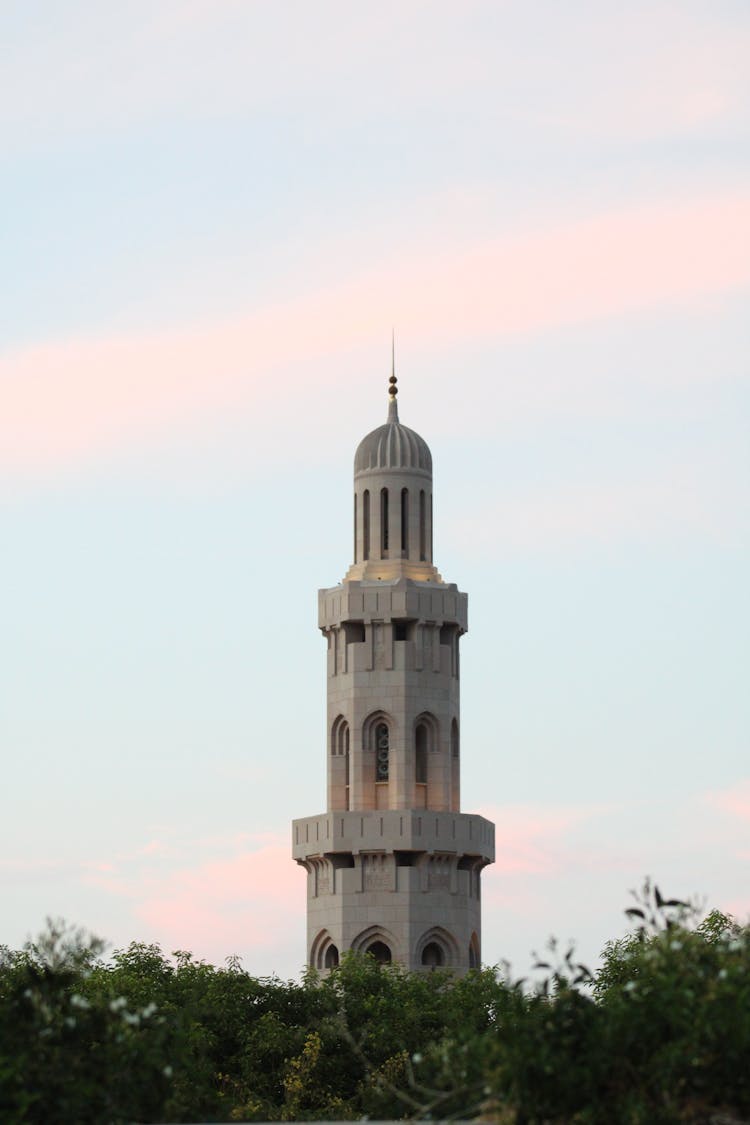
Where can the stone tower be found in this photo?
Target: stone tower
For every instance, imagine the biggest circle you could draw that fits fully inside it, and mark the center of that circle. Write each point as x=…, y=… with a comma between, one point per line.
x=393, y=866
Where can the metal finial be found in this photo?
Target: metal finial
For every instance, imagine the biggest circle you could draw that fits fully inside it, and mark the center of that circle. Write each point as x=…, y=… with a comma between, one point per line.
x=392, y=383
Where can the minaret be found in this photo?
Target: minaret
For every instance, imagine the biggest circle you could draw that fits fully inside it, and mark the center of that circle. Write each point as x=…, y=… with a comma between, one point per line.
x=393, y=866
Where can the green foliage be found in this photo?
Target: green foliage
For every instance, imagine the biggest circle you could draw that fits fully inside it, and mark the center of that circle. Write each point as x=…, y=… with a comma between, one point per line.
x=64, y=1057
x=659, y=1035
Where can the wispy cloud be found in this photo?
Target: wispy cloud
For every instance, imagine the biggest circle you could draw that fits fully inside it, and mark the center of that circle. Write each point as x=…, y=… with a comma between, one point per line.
x=734, y=800
x=77, y=401
x=210, y=59
x=239, y=902
x=229, y=904
x=537, y=839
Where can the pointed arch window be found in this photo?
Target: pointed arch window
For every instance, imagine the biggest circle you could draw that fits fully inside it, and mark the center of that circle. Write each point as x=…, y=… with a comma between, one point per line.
x=381, y=952
x=432, y=955
x=331, y=957
x=382, y=752
x=422, y=526
x=454, y=739
x=375, y=940
x=432, y=549
x=405, y=522
x=366, y=524
x=340, y=736
x=323, y=953
x=376, y=741
x=340, y=769
x=383, y=522
x=437, y=947
x=421, y=742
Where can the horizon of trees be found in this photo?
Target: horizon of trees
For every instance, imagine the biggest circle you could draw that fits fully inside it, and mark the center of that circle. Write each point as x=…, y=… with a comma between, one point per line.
x=659, y=1033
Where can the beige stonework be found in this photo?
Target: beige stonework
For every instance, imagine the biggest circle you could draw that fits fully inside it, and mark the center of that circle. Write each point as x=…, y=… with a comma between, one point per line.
x=393, y=866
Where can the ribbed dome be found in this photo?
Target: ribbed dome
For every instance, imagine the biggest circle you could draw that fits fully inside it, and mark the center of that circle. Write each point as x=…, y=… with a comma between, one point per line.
x=393, y=446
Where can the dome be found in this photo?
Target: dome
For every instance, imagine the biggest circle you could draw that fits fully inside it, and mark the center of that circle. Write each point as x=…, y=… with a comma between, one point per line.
x=393, y=446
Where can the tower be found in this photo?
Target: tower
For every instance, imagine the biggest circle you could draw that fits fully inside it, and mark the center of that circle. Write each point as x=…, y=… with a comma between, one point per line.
x=393, y=865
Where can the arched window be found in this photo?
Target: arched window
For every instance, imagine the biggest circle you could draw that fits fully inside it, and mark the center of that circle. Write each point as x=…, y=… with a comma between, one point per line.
x=338, y=774
x=383, y=522
x=340, y=736
x=421, y=738
x=454, y=739
x=323, y=953
x=355, y=526
x=405, y=522
x=422, y=527
x=474, y=962
x=347, y=760
x=375, y=764
x=437, y=947
x=366, y=524
x=382, y=752
x=432, y=550
x=380, y=951
x=331, y=957
x=433, y=955
x=376, y=940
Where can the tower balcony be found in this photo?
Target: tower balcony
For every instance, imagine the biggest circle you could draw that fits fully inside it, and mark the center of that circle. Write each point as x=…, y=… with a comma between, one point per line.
x=395, y=598
x=394, y=830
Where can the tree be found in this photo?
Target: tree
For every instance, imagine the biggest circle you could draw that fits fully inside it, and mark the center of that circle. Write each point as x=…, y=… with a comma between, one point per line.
x=659, y=1035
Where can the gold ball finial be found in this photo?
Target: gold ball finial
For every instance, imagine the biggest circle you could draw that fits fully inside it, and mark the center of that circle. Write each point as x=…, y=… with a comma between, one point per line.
x=392, y=388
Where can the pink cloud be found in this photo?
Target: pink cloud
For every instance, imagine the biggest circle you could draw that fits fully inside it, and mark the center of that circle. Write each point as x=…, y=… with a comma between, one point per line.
x=738, y=907
x=734, y=800
x=536, y=839
x=238, y=903
x=78, y=399
x=71, y=402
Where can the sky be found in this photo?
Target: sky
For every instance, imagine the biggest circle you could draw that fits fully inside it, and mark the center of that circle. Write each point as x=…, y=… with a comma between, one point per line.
x=213, y=214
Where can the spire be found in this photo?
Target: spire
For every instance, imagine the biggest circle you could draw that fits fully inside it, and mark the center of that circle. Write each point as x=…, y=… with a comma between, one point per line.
x=392, y=383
